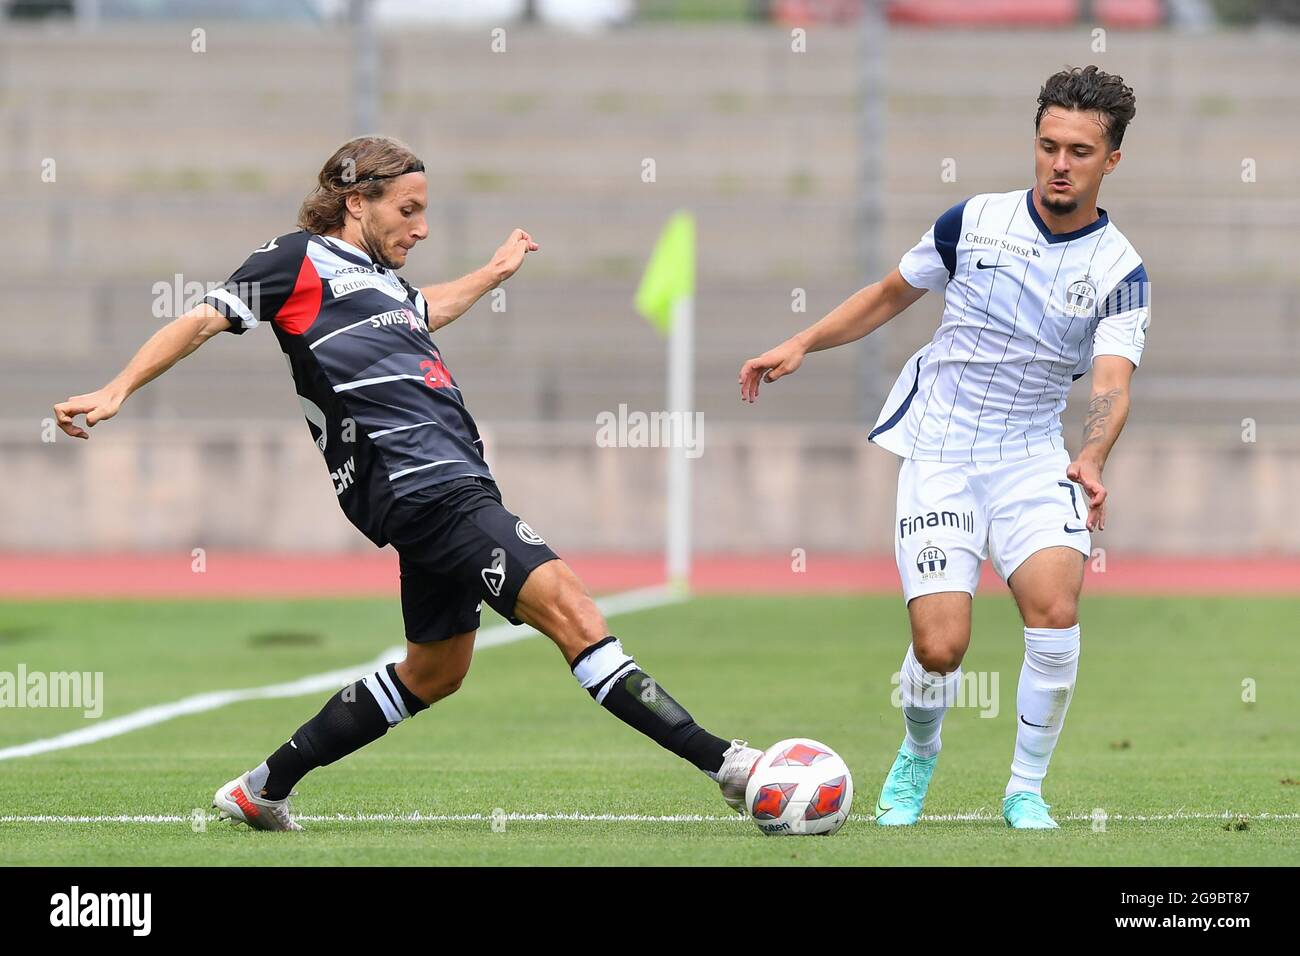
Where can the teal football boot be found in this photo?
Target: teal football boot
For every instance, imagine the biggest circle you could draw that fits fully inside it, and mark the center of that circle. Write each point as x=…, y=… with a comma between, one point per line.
x=903, y=794
x=1026, y=811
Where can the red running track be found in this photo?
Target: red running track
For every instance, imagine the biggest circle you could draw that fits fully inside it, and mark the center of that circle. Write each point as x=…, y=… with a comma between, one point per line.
x=230, y=574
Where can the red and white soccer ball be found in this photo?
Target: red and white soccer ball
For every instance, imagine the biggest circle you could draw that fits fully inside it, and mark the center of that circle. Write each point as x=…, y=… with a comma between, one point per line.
x=799, y=786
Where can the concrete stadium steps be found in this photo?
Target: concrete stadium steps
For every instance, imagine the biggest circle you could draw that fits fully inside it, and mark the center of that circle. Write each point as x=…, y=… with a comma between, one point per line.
x=1244, y=326
x=569, y=352
x=560, y=110
x=701, y=56
x=769, y=154
x=175, y=162
x=805, y=241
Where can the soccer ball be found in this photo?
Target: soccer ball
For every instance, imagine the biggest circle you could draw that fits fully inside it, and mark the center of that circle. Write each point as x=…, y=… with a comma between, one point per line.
x=799, y=786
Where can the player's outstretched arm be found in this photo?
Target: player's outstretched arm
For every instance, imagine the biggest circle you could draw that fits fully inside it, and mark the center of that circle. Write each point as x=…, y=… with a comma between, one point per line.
x=1107, y=412
x=165, y=348
x=858, y=315
x=448, y=301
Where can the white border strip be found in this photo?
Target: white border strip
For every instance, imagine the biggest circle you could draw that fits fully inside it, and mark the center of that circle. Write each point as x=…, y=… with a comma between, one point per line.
x=416, y=816
x=625, y=603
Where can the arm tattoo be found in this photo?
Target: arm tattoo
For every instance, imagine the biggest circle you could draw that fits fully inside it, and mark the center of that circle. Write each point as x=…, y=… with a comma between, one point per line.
x=1099, y=409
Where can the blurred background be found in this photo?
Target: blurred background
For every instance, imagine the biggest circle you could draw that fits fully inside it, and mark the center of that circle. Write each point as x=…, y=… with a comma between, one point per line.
x=150, y=144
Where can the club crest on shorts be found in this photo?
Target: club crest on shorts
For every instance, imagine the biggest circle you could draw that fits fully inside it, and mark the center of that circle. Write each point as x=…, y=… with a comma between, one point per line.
x=931, y=560
x=494, y=578
x=526, y=534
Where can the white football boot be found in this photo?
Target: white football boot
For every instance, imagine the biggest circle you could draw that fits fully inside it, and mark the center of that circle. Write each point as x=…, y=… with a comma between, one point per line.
x=238, y=802
x=737, y=764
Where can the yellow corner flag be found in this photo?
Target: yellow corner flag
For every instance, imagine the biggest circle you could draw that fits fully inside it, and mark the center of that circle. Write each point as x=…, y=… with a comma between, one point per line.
x=670, y=274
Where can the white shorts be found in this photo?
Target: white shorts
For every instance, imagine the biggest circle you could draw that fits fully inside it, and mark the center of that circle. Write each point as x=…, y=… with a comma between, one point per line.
x=953, y=515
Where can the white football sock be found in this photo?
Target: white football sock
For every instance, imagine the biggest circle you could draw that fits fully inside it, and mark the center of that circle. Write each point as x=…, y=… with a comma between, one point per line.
x=1042, y=698
x=925, y=698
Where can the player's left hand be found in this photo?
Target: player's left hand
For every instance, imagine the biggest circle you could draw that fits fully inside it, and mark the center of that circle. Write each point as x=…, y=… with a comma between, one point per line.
x=1086, y=473
x=507, y=260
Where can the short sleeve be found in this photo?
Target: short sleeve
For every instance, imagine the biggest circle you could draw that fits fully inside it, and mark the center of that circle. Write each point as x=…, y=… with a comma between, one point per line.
x=259, y=288
x=1123, y=318
x=932, y=261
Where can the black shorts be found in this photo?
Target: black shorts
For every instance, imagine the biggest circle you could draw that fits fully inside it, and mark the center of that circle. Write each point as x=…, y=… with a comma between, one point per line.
x=459, y=546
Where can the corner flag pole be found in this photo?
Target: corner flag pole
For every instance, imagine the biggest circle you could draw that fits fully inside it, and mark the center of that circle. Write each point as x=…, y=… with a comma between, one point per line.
x=666, y=298
x=681, y=400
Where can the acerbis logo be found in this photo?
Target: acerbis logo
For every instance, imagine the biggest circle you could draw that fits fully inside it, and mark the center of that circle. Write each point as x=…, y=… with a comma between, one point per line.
x=494, y=578
x=526, y=534
x=316, y=419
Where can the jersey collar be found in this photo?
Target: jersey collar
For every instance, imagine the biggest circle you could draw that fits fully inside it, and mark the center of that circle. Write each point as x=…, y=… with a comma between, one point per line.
x=347, y=250
x=1053, y=237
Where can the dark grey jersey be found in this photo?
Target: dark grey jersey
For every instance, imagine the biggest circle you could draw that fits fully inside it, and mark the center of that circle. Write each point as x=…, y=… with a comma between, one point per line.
x=381, y=404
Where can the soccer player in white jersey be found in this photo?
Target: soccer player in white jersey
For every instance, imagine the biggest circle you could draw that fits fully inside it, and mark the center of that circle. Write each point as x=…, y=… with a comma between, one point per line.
x=1039, y=286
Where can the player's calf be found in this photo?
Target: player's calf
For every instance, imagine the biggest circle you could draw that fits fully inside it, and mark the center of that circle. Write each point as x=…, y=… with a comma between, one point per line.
x=357, y=715
x=554, y=601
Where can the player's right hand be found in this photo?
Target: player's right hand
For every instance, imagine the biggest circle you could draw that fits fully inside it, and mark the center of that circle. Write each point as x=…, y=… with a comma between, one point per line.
x=768, y=367
x=96, y=406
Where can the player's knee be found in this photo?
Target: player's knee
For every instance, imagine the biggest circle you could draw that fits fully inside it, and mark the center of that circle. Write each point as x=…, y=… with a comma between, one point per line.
x=435, y=687
x=1058, y=614
x=938, y=657
x=939, y=647
x=432, y=680
x=445, y=686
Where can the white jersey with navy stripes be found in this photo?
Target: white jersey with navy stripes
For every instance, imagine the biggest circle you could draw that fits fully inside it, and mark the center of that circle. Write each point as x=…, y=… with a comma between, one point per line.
x=1025, y=311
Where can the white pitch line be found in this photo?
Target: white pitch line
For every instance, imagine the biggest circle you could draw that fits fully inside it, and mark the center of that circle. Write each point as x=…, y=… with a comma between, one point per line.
x=624, y=603
x=416, y=816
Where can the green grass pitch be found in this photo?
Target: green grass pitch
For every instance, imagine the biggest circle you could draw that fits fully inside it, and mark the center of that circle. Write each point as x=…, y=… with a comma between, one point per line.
x=1157, y=728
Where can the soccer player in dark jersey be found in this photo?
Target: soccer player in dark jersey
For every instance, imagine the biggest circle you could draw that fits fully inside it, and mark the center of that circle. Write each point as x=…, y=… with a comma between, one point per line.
x=407, y=465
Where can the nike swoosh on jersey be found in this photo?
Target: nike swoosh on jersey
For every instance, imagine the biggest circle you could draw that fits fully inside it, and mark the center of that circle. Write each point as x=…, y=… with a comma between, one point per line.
x=981, y=264
x=1069, y=530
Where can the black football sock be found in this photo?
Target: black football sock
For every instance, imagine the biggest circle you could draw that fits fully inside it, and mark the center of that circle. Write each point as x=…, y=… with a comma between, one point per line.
x=634, y=697
x=357, y=715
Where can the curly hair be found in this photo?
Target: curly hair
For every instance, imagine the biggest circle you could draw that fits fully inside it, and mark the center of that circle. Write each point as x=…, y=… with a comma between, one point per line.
x=1088, y=88
x=362, y=165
